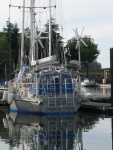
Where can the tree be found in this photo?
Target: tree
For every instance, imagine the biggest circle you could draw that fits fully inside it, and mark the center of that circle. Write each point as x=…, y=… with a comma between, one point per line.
x=57, y=44
x=95, y=65
x=3, y=47
x=88, y=54
x=9, y=47
x=11, y=33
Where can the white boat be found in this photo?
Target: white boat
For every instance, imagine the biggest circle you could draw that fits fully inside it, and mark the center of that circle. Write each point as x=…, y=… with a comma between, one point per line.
x=44, y=87
x=41, y=132
x=89, y=83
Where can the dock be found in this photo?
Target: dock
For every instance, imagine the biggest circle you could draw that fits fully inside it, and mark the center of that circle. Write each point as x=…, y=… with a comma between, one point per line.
x=95, y=106
x=98, y=97
x=98, y=104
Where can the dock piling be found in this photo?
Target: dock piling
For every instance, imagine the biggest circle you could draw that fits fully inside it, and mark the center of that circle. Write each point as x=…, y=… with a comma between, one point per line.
x=111, y=72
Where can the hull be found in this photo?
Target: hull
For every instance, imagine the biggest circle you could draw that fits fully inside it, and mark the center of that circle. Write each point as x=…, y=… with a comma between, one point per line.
x=48, y=106
x=89, y=84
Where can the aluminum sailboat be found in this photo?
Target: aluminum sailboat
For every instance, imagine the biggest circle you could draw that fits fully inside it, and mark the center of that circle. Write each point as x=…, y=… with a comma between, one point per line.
x=45, y=86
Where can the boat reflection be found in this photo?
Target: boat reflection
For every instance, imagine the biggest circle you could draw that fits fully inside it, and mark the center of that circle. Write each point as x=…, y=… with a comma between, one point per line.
x=44, y=132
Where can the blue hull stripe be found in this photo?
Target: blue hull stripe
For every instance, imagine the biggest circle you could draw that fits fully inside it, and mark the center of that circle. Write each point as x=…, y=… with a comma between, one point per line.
x=26, y=112
x=60, y=113
x=44, y=113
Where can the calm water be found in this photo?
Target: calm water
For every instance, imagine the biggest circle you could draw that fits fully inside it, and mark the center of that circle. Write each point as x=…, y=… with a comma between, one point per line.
x=96, y=90
x=84, y=131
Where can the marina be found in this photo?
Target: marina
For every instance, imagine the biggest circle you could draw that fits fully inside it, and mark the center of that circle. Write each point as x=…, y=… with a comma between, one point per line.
x=54, y=94
x=85, y=130
x=43, y=84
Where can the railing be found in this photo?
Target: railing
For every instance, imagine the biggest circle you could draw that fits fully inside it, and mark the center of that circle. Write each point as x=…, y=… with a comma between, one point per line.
x=57, y=94
x=55, y=88
x=64, y=98
x=22, y=88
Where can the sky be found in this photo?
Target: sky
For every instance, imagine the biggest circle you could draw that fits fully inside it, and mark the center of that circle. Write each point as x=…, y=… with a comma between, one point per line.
x=96, y=16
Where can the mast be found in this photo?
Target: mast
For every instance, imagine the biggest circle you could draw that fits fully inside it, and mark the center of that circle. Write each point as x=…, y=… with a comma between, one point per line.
x=22, y=41
x=49, y=28
x=32, y=30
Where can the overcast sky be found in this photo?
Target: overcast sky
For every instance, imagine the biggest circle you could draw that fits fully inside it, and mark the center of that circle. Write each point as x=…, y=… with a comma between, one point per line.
x=96, y=16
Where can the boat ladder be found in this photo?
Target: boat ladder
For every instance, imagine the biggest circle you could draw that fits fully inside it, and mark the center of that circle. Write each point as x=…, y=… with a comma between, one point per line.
x=54, y=102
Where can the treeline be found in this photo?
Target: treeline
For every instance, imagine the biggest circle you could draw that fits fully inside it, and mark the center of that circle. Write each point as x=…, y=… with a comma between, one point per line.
x=10, y=47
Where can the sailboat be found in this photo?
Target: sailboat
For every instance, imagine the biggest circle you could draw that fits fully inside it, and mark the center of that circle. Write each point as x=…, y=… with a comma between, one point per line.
x=45, y=86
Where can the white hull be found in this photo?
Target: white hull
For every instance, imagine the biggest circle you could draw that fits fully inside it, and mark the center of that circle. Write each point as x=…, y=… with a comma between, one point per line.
x=49, y=105
x=89, y=84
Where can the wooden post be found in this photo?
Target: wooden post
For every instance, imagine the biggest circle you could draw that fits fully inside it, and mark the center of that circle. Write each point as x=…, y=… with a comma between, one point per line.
x=112, y=131
x=111, y=72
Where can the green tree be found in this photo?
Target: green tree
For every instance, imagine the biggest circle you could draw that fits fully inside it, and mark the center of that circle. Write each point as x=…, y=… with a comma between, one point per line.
x=4, y=56
x=95, y=65
x=88, y=54
x=3, y=47
x=11, y=33
x=57, y=44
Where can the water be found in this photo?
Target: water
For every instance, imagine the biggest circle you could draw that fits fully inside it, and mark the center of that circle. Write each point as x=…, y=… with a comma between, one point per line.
x=97, y=133
x=83, y=131
x=96, y=90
